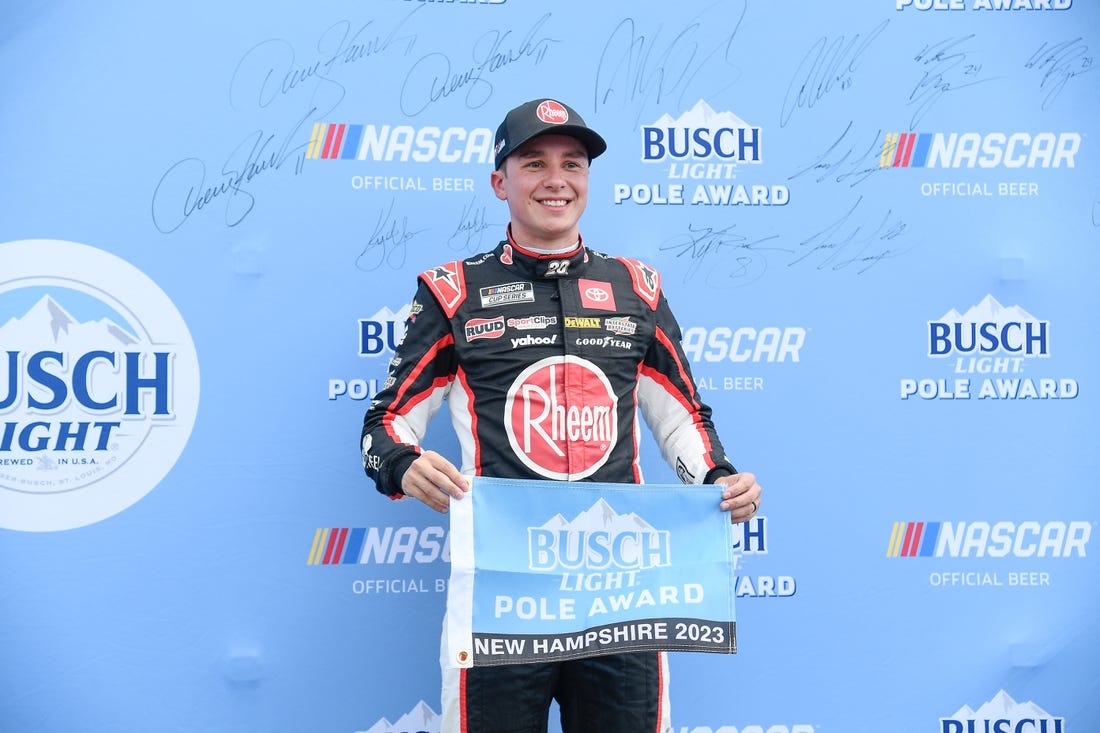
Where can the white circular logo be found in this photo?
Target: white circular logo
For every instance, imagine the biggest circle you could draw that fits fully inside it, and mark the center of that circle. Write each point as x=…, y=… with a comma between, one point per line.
x=99, y=385
x=552, y=112
x=564, y=437
x=597, y=295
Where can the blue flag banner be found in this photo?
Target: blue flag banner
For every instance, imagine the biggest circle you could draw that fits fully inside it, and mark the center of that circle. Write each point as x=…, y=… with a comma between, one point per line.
x=547, y=571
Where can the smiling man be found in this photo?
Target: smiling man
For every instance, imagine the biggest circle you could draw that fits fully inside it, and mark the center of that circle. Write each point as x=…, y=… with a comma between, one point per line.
x=544, y=178
x=546, y=351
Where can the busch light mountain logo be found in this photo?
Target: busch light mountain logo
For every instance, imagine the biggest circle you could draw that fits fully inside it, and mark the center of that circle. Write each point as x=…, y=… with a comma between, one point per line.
x=706, y=147
x=1002, y=714
x=989, y=330
x=598, y=538
x=383, y=332
x=99, y=385
x=993, y=351
x=701, y=134
x=421, y=719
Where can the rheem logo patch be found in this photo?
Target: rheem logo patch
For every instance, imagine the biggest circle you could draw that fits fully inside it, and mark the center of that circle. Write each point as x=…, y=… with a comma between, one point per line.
x=558, y=434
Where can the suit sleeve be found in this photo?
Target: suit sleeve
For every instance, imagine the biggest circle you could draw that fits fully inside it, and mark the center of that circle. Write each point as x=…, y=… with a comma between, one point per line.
x=680, y=421
x=420, y=374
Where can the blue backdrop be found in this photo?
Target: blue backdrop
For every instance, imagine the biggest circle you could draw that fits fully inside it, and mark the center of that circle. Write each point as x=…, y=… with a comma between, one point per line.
x=877, y=221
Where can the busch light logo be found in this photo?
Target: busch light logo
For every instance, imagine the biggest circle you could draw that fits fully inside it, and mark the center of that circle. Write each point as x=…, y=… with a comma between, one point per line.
x=99, y=385
x=379, y=335
x=1002, y=714
x=751, y=537
x=701, y=134
x=986, y=329
x=597, y=539
x=706, y=147
x=1002, y=345
x=382, y=332
x=421, y=719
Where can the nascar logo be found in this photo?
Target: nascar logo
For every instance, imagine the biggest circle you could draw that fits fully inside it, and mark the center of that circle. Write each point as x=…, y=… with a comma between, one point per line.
x=985, y=539
x=969, y=150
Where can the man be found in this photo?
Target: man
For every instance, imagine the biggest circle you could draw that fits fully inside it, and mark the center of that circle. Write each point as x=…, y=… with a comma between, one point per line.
x=545, y=351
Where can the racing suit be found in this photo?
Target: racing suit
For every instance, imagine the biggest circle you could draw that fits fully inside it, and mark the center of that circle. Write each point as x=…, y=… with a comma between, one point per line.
x=545, y=361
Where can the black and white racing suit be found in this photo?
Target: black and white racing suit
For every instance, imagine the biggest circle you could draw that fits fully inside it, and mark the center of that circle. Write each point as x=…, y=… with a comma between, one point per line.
x=545, y=361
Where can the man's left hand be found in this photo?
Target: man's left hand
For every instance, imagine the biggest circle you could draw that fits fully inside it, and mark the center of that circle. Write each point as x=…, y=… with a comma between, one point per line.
x=740, y=496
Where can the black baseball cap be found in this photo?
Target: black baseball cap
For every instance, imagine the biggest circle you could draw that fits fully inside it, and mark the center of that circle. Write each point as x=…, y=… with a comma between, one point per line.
x=543, y=117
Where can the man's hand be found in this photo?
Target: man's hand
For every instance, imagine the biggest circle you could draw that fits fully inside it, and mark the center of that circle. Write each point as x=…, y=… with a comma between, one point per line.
x=740, y=496
x=434, y=480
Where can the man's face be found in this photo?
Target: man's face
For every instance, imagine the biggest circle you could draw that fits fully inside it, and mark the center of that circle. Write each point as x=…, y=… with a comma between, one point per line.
x=545, y=182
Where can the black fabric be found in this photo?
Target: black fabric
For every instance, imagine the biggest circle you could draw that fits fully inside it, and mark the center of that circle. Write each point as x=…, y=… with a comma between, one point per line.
x=615, y=693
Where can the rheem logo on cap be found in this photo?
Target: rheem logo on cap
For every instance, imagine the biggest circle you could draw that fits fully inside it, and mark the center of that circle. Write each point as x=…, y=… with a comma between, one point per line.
x=552, y=113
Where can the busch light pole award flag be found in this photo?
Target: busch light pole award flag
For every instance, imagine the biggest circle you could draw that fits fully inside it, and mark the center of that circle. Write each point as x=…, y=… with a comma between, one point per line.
x=549, y=570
